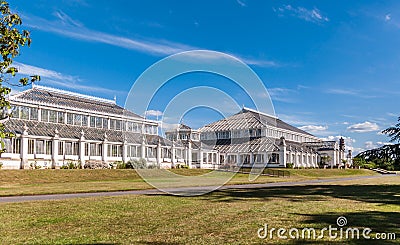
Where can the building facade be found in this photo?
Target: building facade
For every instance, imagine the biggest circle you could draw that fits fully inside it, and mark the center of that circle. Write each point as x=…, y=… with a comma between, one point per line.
x=252, y=138
x=54, y=127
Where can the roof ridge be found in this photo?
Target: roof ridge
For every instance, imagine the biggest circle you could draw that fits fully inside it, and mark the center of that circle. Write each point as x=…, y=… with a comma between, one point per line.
x=75, y=94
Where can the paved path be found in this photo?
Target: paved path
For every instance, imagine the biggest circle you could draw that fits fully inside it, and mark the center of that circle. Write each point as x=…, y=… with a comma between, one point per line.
x=182, y=190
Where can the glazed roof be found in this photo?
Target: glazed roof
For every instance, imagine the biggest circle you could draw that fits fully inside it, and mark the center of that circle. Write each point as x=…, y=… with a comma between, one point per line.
x=60, y=98
x=249, y=119
x=37, y=128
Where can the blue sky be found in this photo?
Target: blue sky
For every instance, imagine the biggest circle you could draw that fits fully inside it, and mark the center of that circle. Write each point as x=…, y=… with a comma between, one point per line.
x=331, y=67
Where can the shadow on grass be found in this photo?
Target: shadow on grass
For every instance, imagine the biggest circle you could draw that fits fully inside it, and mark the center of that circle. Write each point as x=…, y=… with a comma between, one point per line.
x=382, y=222
x=384, y=194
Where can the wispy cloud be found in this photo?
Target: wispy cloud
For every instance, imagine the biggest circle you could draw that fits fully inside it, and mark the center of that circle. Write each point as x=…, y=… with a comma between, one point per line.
x=58, y=79
x=356, y=93
x=68, y=27
x=241, y=3
x=310, y=15
x=388, y=17
x=280, y=94
x=363, y=127
x=28, y=70
x=66, y=19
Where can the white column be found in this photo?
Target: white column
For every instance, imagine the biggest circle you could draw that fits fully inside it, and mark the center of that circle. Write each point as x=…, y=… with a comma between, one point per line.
x=24, y=149
x=173, y=154
x=159, y=152
x=55, y=156
x=125, y=151
x=82, y=149
x=201, y=158
x=143, y=147
x=334, y=158
x=189, y=158
x=105, y=148
x=282, y=152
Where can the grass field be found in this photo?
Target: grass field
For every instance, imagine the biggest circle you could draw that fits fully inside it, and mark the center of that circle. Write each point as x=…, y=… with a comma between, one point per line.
x=30, y=182
x=221, y=217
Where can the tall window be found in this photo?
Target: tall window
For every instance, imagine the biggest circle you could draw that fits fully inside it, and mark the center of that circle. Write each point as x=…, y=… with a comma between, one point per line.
x=24, y=112
x=53, y=116
x=70, y=118
x=45, y=115
x=60, y=117
x=258, y=158
x=245, y=158
x=60, y=148
x=118, y=125
x=115, y=151
x=34, y=114
x=68, y=148
x=49, y=147
x=92, y=121
x=15, y=112
x=75, y=148
x=31, y=146
x=78, y=119
x=231, y=159
x=151, y=152
x=84, y=120
x=39, y=146
x=98, y=122
x=274, y=158
x=112, y=124
x=105, y=123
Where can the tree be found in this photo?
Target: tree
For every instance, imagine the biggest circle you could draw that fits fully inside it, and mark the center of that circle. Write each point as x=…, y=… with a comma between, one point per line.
x=393, y=132
x=12, y=38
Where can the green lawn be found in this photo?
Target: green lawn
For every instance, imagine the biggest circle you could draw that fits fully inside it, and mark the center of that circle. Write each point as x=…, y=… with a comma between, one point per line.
x=30, y=182
x=221, y=217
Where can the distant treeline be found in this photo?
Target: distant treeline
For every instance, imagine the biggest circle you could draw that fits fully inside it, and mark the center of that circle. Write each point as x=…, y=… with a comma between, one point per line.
x=386, y=157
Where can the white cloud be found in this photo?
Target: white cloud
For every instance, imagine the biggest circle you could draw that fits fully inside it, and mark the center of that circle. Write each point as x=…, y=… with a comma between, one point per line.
x=54, y=78
x=388, y=17
x=153, y=113
x=241, y=3
x=341, y=91
x=68, y=27
x=281, y=94
x=363, y=127
x=313, y=128
x=390, y=114
x=29, y=70
x=310, y=15
x=66, y=19
x=371, y=145
x=168, y=126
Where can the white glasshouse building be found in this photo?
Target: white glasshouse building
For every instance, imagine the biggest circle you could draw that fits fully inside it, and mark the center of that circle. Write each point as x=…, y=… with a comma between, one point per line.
x=54, y=127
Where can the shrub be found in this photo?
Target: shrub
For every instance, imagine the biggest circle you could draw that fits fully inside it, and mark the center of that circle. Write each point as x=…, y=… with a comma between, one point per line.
x=119, y=165
x=180, y=165
x=134, y=164
x=137, y=164
x=370, y=165
x=34, y=165
x=71, y=165
x=289, y=165
x=96, y=165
